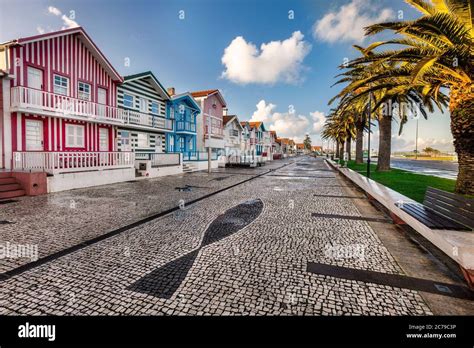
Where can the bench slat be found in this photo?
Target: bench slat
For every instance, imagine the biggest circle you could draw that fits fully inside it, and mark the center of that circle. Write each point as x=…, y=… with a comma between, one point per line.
x=444, y=209
x=432, y=219
x=452, y=196
x=465, y=205
x=438, y=221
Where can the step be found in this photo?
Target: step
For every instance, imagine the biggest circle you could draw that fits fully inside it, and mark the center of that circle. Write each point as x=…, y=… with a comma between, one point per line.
x=11, y=194
x=6, y=181
x=5, y=175
x=10, y=187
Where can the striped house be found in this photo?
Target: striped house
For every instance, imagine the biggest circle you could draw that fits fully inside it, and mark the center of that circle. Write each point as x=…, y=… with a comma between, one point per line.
x=147, y=125
x=59, y=113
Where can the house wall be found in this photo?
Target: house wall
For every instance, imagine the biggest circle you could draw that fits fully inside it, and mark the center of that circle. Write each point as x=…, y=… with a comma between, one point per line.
x=65, y=56
x=127, y=140
x=54, y=133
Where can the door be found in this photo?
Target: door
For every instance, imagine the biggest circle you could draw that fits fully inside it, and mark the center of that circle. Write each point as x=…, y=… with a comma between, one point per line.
x=102, y=101
x=103, y=139
x=35, y=85
x=34, y=135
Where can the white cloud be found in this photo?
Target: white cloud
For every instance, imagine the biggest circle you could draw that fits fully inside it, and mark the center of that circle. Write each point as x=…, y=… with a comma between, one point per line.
x=318, y=121
x=348, y=22
x=40, y=30
x=289, y=124
x=264, y=111
x=275, y=61
x=67, y=22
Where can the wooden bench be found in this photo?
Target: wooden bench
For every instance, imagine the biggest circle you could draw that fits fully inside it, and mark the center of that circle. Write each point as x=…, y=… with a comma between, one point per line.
x=442, y=211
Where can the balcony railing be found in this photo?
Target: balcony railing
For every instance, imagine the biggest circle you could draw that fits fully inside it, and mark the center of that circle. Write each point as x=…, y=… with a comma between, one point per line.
x=63, y=162
x=185, y=126
x=198, y=156
x=214, y=131
x=41, y=101
x=160, y=159
x=142, y=119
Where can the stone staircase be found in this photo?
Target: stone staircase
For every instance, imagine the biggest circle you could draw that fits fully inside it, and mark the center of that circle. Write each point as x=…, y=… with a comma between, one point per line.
x=9, y=186
x=189, y=167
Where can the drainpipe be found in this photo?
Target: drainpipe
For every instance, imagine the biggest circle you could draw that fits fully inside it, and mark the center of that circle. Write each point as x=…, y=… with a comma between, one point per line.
x=209, y=151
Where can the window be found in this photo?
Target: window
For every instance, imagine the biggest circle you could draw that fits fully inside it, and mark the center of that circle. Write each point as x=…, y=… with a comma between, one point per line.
x=61, y=85
x=172, y=112
x=128, y=100
x=74, y=135
x=155, y=107
x=143, y=105
x=84, y=91
x=143, y=140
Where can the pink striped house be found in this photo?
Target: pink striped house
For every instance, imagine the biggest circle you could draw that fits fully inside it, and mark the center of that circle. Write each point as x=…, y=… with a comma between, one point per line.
x=59, y=115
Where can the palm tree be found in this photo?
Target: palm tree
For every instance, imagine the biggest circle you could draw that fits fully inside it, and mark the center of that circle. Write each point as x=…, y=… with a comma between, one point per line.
x=340, y=127
x=437, y=51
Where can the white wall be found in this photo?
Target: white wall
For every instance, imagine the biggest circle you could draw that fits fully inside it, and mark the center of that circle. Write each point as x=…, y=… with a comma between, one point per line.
x=69, y=181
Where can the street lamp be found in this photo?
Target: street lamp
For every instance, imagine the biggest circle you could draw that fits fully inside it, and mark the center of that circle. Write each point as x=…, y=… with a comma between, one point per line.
x=368, y=142
x=416, y=141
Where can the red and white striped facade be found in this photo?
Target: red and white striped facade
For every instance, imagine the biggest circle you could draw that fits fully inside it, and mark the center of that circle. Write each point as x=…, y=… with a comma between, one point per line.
x=69, y=54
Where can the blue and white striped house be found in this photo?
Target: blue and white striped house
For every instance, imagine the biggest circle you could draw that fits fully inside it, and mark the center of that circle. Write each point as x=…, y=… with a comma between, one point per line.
x=185, y=111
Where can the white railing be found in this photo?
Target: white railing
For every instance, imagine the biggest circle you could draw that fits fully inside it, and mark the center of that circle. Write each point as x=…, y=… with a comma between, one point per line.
x=139, y=118
x=63, y=162
x=63, y=106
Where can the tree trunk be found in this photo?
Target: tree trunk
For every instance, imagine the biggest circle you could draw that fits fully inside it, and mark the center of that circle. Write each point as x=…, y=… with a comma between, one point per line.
x=348, y=148
x=360, y=144
x=462, y=128
x=341, y=150
x=385, y=143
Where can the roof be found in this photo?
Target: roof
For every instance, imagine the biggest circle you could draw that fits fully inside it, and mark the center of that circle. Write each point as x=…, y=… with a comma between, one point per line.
x=273, y=132
x=188, y=97
x=300, y=146
x=229, y=118
x=209, y=92
x=257, y=125
x=148, y=74
x=316, y=148
x=85, y=38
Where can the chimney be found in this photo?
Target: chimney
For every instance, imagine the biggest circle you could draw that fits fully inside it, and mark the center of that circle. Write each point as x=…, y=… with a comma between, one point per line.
x=171, y=91
x=224, y=111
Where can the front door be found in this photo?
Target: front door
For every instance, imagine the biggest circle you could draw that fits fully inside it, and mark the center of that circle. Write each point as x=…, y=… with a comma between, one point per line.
x=103, y=139
x=34, y=135
x=35, y=85
x=102, y=100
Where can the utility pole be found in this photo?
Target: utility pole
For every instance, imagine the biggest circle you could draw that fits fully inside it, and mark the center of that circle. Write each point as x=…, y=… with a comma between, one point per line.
x=368, y=142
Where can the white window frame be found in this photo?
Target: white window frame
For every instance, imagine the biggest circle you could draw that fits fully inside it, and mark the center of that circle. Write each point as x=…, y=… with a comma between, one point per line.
x=82, y=94
x=139, y=144
x=101, y=139
x=77, y=142
x=144, y=105
x=63, y=78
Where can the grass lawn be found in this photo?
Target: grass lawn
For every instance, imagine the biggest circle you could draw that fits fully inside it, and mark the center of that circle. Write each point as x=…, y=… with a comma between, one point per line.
x=407, y=183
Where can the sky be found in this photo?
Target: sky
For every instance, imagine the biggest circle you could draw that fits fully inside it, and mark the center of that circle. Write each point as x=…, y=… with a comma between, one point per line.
x=273, y=60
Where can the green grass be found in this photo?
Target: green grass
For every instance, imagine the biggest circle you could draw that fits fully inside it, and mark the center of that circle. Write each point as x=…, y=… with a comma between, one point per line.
x=407, y=183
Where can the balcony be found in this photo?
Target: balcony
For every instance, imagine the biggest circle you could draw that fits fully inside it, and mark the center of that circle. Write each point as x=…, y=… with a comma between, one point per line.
x=64, y=162
x=185, y=126
x=30, y=100
x=160, y=159
x=214, y=131
x=136, y=118
x=198, y=156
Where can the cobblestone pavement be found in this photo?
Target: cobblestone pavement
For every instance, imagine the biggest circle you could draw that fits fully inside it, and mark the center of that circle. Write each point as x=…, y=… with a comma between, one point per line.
x=259, y=269
x=56, y=221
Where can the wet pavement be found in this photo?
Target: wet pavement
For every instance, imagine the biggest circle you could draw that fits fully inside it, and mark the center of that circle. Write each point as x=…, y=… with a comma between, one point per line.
x=242, y=251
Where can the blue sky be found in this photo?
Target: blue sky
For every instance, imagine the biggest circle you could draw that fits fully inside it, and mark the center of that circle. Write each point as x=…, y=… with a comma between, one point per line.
x=296, y=68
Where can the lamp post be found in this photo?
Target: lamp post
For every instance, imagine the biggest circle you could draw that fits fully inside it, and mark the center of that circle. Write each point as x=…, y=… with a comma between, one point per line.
x=416, y=141
x=368, y=142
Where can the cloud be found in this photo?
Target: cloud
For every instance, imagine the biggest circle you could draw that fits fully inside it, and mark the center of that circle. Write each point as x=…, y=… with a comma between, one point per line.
x=348, y=22
x=275, y=61
x=40, y=30
x=264, y=111
x=288, y=124
x=319, y=119
x=67, y=21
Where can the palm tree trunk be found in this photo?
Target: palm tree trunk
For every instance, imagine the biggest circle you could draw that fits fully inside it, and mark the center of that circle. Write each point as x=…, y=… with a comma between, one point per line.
x=341, y=150
x=385, y=143
x=348, y=148
x=360, y=143
x=462, y=128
